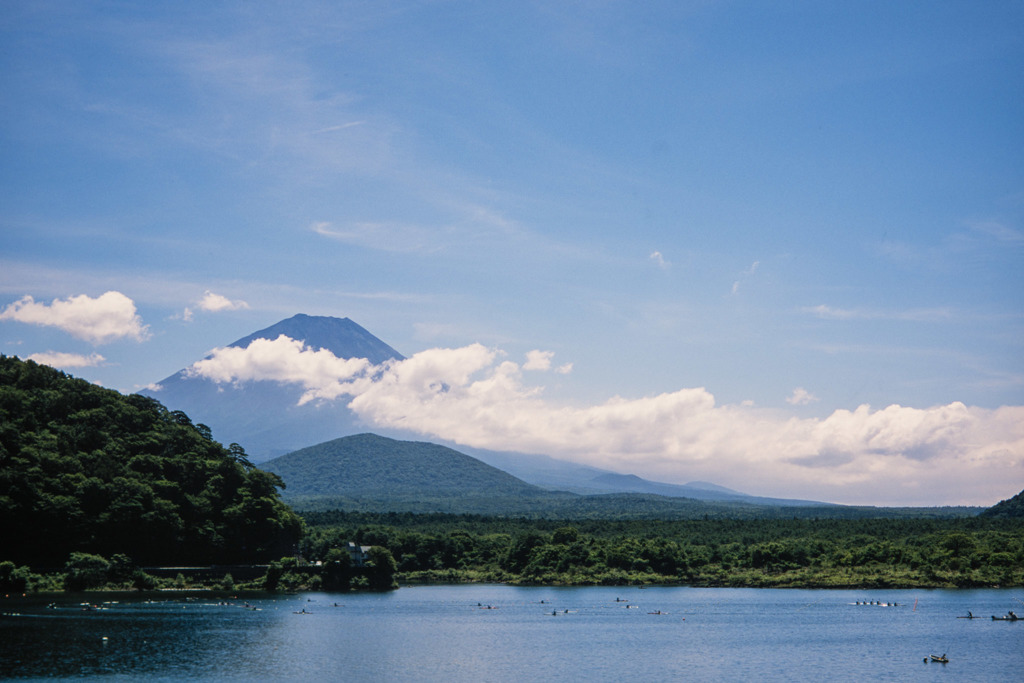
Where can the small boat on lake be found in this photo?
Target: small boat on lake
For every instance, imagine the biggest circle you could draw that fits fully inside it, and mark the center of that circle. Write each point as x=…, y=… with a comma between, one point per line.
x=1010, y=616
x=941, y=659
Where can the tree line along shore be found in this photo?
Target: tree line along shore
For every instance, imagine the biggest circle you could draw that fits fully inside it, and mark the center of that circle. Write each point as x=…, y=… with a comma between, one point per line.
x=409, y=548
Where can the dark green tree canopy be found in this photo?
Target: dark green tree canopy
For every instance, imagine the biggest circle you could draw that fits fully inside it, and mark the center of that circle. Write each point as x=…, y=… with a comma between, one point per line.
x=1012, y=507
x=87, y=469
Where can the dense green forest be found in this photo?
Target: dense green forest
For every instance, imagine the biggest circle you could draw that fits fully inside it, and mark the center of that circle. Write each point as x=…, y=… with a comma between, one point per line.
x=367, y=462
x=89, y=470
x=908, y=552
x=1010, y=508
x=638, y=506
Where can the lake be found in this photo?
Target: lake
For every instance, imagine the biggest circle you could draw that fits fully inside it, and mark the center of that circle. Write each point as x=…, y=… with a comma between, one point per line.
x=506, y=633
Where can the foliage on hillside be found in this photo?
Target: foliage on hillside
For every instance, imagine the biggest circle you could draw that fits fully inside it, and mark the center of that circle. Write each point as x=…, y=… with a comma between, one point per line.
x=541, y=504
x=87, y=469
x=367, y=463
x=785, y=553
x=1012, y=507
x=371, y=473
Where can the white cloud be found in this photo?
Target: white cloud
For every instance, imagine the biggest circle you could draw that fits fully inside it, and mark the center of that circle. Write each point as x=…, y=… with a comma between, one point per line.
x=59, y=359
x=801, y=397
x=541, y=360
x=659, y=260
x=322, y=374
x=101, y=320
x=948, y=454
x=216, y=303
x=538, y=360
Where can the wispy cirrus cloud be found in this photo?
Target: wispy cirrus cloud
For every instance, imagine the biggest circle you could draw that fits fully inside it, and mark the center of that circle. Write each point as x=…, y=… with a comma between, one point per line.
x=1000, y=232
x=911, y=315
x=60, y=359
x=106, y=318
x=384, y=236
x=475, y=397
x=744, y=276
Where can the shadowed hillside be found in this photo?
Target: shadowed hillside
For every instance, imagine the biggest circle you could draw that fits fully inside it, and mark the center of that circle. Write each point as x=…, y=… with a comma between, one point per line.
x=369, y=465
x=1012, y=507
x=87, y=469
x=372, y=473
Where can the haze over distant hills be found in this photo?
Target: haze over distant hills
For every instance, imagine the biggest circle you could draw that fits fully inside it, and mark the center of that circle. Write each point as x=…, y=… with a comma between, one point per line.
x=371, y=473
x=370, y=464
x=266, y=419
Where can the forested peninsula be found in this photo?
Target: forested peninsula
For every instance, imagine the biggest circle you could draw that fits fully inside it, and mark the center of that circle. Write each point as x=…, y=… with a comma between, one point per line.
x=95, y=486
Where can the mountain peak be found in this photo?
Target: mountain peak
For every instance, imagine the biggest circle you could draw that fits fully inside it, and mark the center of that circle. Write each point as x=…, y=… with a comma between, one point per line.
x=341, y=336
x=264, y=417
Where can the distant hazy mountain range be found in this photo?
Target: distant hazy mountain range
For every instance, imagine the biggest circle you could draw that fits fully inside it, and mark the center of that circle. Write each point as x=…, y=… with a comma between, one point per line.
x=374, y=473
x=265, y=418
x=371, y=473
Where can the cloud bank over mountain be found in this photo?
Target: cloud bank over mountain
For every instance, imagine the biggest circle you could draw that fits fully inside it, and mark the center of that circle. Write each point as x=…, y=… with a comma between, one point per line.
x=475, y=396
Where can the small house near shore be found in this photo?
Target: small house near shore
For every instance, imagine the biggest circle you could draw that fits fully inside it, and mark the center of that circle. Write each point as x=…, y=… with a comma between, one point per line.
x=358, y=553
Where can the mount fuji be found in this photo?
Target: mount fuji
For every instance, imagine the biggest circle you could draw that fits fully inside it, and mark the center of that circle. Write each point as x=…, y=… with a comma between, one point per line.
x=264, y=417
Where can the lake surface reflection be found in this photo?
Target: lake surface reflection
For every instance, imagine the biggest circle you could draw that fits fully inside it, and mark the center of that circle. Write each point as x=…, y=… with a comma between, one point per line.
x=505, y=633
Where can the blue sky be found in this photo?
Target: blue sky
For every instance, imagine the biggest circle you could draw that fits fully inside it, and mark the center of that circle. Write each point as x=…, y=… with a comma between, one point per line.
x=798, y=209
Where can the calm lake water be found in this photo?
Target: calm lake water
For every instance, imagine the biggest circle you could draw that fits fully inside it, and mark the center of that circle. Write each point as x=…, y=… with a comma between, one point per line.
x=447, y=633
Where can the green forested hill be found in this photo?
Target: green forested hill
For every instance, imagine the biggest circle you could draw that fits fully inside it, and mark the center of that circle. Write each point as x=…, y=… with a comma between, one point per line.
x=371, y=473
x=87, y=469
x=369, y=465
x=1012, y=507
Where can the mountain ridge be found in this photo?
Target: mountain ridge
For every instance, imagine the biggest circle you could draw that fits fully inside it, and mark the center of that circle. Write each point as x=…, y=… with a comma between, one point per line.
x=361, y=464
x=264, y=417
x=371, y=473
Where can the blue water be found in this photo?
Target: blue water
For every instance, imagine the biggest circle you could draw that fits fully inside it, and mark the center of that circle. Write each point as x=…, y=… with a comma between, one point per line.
x=447, y=633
